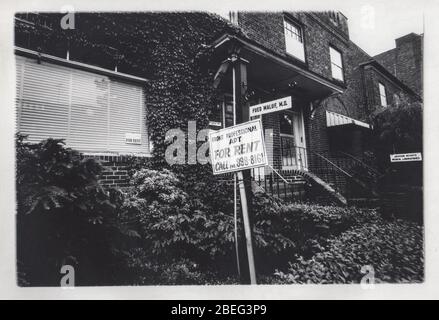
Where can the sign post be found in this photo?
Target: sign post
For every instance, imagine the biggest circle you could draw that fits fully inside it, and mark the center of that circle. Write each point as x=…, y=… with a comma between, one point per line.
x=246, y=152
x=239, y=148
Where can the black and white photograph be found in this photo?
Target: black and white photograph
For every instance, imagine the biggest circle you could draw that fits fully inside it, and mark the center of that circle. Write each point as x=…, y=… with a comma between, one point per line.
x=219, y=147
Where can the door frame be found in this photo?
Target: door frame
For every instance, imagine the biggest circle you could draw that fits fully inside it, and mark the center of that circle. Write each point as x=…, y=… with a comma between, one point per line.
x=299, y=140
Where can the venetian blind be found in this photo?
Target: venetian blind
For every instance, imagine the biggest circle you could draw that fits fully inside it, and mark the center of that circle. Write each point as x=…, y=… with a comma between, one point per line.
x=92, y=112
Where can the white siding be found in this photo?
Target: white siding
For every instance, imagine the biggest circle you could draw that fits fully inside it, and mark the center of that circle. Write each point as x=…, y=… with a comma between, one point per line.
x=90, y=111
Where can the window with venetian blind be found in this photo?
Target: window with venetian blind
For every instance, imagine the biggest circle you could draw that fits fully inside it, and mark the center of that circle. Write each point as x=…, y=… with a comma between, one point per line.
x=92, y=112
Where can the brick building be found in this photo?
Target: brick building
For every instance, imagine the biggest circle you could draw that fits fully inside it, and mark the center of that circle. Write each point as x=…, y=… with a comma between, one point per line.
x=333, y=83
x=405, y=60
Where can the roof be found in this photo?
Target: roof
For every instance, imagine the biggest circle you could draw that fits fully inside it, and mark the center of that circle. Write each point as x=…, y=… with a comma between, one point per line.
x=391, y=76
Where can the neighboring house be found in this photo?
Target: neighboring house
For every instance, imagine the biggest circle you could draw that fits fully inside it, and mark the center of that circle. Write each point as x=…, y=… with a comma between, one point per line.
x=405, y=60
x=334, y=84
x=334, y=87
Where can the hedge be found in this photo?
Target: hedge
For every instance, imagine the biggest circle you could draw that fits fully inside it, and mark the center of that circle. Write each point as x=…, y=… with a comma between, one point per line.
x=393, y=249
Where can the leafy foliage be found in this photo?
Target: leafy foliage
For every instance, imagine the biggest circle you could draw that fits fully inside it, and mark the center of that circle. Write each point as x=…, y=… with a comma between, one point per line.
x=64, y=216
x=282, y=231
x=397, y=129
x=174, y=225
x=393, y=249
x=177, y=224
x=169, y=48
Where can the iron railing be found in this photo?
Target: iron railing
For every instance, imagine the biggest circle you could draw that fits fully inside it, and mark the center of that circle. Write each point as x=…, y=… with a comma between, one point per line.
x=285, y=185
x=330, y=172
x=293, y=157
x=346, y=173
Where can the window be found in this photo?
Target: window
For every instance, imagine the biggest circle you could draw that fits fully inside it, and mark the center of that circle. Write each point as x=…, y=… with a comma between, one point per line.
x=93, y=113
x=286, y=124
x=336, y=64
x=383, y=96
x=294, y=40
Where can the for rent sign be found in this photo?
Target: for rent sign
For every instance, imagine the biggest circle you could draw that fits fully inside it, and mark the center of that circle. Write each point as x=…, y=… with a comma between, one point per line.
x=237, y=148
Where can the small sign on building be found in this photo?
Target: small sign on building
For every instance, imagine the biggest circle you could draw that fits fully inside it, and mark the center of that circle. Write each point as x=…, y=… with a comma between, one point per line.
x=238, y=148
x=271, y=106
x=215, y=124
x=133, y=138
x=405, y=157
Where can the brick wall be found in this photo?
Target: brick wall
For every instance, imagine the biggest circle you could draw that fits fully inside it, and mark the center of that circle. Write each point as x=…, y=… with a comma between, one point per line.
x=405, y=61
x=268, y=30
x=361, y=81
x=115, y=173
x=372, y=78
x=271, y=122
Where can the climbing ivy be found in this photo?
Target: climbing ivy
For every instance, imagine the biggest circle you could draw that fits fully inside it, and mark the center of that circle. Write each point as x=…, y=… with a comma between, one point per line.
x=169, y=48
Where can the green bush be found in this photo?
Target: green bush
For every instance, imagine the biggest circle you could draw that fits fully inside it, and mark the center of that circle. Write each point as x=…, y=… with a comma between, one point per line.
x=174, y=225
x=144, y=269
x=283, y=230
x=64, y=217
x=393, y=249
x=179, y=220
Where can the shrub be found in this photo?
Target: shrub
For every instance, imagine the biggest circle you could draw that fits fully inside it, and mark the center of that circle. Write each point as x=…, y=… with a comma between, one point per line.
x=144, y=269
x=181, y=220
x=188, y=220
x=175, y=226
x=398, y=130
x=64, y=217
x=393, y=249
x=284, y=230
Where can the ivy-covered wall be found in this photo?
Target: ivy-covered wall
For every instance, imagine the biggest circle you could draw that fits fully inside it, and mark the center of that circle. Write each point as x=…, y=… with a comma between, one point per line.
x=170, y=49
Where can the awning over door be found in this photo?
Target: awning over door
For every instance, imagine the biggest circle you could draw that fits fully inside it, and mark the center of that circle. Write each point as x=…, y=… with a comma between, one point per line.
x=334, y=119
x=269, y=70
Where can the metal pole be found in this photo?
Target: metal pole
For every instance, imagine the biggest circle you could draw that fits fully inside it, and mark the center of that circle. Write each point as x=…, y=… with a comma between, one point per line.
x=242, y=191
x=247, y=230
x=235, y=209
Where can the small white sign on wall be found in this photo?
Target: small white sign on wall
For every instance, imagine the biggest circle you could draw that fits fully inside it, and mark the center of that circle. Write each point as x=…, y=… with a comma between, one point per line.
x=133, y=138
x=404, y=157
x=215, y=124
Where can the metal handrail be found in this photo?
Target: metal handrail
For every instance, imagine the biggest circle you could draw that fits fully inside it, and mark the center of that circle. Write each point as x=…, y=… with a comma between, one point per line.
x=359, y=161
x=333, y=164
x=275, y=171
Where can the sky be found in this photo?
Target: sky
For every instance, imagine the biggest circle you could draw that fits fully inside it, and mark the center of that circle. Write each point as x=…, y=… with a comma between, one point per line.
x=375, y=27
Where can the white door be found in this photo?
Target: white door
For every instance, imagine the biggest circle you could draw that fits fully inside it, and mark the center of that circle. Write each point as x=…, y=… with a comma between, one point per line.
x=293, y=143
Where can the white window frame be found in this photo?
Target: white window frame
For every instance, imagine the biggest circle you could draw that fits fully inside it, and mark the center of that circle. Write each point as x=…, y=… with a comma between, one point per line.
x=294, y=40
x=335, y=65
x=383, y=94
